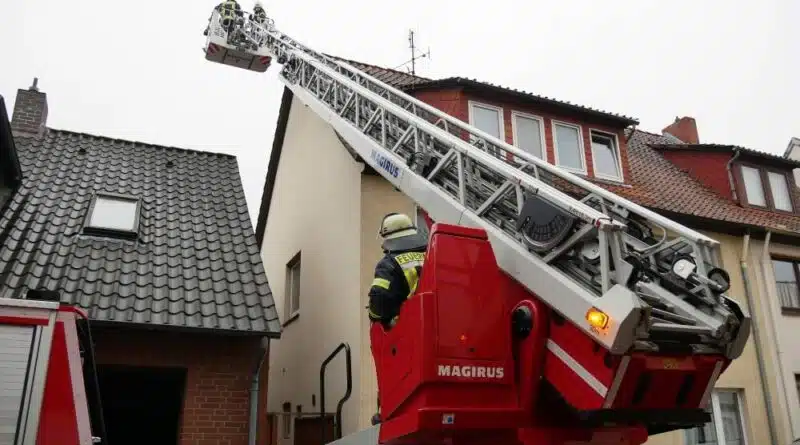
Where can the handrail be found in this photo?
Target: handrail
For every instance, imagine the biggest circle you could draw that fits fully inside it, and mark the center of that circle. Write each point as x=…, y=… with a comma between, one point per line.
x=337, y=431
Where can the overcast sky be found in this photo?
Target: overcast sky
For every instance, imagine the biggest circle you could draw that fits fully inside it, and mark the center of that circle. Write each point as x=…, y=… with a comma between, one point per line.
x=135, y=69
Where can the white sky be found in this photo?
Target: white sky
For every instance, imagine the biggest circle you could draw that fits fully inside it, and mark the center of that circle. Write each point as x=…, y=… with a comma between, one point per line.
x=135, y=69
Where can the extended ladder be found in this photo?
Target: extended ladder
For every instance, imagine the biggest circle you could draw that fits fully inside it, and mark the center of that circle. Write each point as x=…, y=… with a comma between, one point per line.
x=574, y=244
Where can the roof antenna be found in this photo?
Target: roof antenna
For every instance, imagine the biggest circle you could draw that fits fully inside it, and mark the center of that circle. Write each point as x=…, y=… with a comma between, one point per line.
x=35, y=86
x=414, y=56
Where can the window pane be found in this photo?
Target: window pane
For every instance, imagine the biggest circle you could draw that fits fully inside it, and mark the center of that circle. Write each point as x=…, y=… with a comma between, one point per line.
x=705, y=435
x=780, y=191
x=568, y=147
x=113, y=213
x=422, y=223
x=786, y=283
x=605, y=155
x=731, y=418
x=753, y=186
x=486, y=119
x=296, y=288
x=529, y=135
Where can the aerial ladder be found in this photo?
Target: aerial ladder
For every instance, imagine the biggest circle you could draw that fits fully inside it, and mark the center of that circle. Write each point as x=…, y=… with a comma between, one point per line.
x=571, y=314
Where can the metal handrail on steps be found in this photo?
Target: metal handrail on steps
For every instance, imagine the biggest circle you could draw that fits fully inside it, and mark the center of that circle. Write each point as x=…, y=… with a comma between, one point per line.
x=337, y=431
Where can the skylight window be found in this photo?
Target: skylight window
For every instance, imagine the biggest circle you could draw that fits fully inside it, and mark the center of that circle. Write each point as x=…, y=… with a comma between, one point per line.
x=113, y=215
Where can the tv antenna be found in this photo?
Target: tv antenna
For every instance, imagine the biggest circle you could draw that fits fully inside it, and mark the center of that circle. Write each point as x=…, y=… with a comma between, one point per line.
x=414, y=55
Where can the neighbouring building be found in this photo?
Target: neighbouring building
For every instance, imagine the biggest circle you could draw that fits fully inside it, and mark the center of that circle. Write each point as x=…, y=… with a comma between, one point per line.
x=10, y=171
x=318, y=222
x=156, y=244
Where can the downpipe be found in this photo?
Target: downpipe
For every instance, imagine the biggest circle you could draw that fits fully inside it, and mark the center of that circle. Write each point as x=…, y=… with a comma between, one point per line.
x=765, y=260
x=252, y=425
x=773, y=430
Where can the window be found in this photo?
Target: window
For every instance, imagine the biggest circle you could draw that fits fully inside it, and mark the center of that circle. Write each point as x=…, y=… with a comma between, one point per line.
x=421, y=222
x=786, y=283
x=764, y=187
x=605, y=156
x=286, y=416
x=487, y=118
x=569, y=147
x=797, y=384
x=113, y=215
x=292, y=292
x=528, y=134
x=727, y=424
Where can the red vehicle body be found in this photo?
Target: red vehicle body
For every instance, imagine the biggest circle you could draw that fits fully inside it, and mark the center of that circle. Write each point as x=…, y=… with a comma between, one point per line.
x=47, y=361
x=476, y=358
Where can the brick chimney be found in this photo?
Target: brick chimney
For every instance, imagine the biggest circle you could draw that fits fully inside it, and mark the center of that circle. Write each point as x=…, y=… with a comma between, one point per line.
x=685, y=129
x=30, y=110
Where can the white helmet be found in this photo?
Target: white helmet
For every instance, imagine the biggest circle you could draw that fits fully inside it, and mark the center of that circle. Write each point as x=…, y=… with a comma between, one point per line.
x=396, y=225
x=398, y=233
x=258, y=4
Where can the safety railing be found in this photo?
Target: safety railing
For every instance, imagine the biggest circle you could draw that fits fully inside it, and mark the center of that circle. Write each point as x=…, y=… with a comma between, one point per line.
x=337, y=426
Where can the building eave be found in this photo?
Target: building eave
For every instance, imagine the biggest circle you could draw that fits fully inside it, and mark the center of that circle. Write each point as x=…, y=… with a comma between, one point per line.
x=272, y=165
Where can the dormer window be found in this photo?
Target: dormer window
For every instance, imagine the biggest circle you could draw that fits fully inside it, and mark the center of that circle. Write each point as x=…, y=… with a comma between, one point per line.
x=765, y=188
x=113, y=215
x=605, y=156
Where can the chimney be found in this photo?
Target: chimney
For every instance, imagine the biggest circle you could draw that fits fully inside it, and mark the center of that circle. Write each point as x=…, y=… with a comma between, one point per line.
x=685, y=129
x=30, y=110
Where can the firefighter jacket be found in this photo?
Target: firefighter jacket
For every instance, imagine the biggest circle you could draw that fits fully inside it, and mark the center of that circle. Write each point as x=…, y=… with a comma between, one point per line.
x=396, y=277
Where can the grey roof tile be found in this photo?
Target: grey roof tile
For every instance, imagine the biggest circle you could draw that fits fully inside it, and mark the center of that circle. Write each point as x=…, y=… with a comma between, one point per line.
x=195, y=264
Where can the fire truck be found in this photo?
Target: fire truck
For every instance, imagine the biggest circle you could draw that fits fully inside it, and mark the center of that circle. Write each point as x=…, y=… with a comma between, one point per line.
x=550, y=311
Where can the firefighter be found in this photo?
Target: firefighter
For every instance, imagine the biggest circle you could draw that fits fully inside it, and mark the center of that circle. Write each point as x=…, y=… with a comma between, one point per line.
x=259, y=15
x=397, y=273
x=228, y=11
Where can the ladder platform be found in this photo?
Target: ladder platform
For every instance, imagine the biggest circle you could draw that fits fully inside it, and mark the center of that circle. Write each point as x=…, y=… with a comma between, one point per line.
x=236, y=48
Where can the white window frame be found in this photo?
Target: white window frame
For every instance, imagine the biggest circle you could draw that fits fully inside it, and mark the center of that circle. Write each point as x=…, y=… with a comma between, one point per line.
x=99, y=230
x=514, y=115
x=581, y=146
x=616, y=148
x=291, y=265
x=500, y=117
x=716, y=415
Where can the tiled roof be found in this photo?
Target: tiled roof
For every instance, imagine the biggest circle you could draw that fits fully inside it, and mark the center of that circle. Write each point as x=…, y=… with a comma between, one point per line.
x=406, y=81
x=768, y=157
x=395, y=78
x=196, y=264
x=661, y=185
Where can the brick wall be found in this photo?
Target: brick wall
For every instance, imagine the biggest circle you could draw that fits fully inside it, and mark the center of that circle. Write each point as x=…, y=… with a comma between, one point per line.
x=708, y=168
x=216, y=399
x=455, y=102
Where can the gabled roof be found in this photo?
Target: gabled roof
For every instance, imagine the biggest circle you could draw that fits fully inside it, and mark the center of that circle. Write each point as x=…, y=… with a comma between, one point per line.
x=766, y=158
x=196, y=264
x=409, y=82
x=661, y=185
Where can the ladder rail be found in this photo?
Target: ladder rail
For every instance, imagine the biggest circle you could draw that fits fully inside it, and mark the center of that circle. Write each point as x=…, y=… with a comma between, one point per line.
x=461, y=126
x=470, y=185
x=315, y=85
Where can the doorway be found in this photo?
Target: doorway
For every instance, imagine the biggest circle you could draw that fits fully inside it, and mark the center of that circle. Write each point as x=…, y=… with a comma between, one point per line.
x=141, y=405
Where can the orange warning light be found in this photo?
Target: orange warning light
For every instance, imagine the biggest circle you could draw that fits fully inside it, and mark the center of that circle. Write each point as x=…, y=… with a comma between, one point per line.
x=597, y=318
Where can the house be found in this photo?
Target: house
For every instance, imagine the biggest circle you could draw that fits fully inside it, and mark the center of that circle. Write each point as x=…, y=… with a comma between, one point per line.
x=10, y=171
x=318, y=222
x=155, y=243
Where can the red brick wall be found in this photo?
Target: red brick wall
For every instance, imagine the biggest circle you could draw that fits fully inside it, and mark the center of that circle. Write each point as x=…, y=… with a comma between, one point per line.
x=456, y=103
x=708, y=168
x=216, y=399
